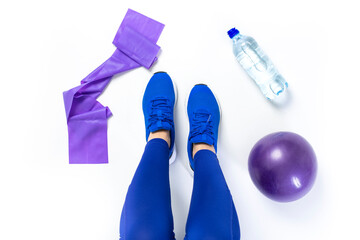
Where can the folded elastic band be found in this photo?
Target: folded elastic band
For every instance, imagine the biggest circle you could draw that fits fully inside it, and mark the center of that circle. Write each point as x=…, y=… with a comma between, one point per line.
x=136, y=46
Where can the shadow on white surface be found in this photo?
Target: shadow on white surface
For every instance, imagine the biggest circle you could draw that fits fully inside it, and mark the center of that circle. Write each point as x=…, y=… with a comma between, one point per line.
x=284, y=100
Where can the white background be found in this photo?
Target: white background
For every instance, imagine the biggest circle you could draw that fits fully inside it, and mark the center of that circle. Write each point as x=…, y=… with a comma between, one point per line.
x=47, y=47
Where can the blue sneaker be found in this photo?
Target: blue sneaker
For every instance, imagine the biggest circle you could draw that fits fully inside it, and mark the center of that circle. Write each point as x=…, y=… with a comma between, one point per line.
x=158, y=107
x=204, y=118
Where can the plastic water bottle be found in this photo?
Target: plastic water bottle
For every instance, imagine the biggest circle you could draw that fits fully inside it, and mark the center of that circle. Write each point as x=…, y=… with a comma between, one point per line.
x=257, y=65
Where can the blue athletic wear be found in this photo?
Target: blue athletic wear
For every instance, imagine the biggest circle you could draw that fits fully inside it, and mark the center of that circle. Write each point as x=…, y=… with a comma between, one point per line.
x=212, y=214
x=147, y=215
x=158, y=106
x=204, y=117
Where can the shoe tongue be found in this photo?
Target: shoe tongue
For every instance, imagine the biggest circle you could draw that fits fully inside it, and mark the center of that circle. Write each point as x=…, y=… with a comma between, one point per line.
x=203, y=138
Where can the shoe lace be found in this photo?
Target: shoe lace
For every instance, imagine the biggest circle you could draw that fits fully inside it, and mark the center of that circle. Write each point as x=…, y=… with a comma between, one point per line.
x=160, y=111
x=202, y=125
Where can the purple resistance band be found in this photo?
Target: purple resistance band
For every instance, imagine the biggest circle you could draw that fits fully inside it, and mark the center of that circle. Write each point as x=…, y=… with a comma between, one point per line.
x=135, y=43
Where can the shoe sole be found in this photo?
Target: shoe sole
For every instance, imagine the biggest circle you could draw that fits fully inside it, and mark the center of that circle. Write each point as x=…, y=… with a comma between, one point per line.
x=173, y=155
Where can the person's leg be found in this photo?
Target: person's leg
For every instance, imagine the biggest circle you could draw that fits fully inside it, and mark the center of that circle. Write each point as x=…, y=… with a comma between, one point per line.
x=212, y=213
x=147, y=210
x=146, y=213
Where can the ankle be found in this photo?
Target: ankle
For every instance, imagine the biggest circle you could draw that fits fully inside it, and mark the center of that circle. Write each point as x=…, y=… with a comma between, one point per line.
x=163, y=134
x=202, y=146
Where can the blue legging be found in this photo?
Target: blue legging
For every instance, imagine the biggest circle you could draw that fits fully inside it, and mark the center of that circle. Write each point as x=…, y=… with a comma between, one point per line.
x=147, y=214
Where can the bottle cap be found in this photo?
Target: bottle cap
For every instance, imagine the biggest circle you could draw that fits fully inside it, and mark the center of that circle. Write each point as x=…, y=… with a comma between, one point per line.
x=232, y=32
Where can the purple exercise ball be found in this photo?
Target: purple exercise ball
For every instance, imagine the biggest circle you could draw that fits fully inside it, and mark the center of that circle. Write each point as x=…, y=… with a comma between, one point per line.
x=283, y=166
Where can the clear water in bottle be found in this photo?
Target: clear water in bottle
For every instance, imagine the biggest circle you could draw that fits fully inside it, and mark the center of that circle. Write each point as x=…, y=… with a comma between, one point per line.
x=257, y=65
